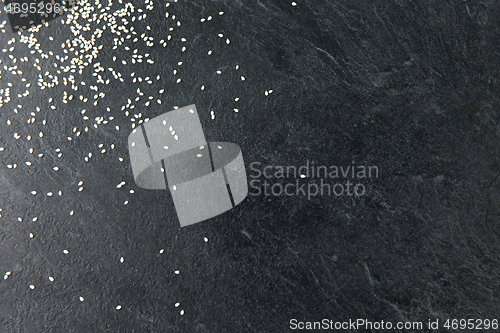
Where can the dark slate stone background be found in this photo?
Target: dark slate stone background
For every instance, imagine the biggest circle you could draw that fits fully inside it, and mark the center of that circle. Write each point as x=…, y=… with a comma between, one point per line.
x=409, y=86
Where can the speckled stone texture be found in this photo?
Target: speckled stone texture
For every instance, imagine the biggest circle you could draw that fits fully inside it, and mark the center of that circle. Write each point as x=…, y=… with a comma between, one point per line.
x=409, y=86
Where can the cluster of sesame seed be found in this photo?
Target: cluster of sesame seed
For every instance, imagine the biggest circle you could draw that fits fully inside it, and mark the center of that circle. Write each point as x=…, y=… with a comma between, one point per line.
x=77, y=66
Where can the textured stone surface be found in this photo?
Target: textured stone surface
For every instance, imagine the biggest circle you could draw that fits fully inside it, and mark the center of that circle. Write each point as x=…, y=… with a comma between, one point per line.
x=411, y=87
